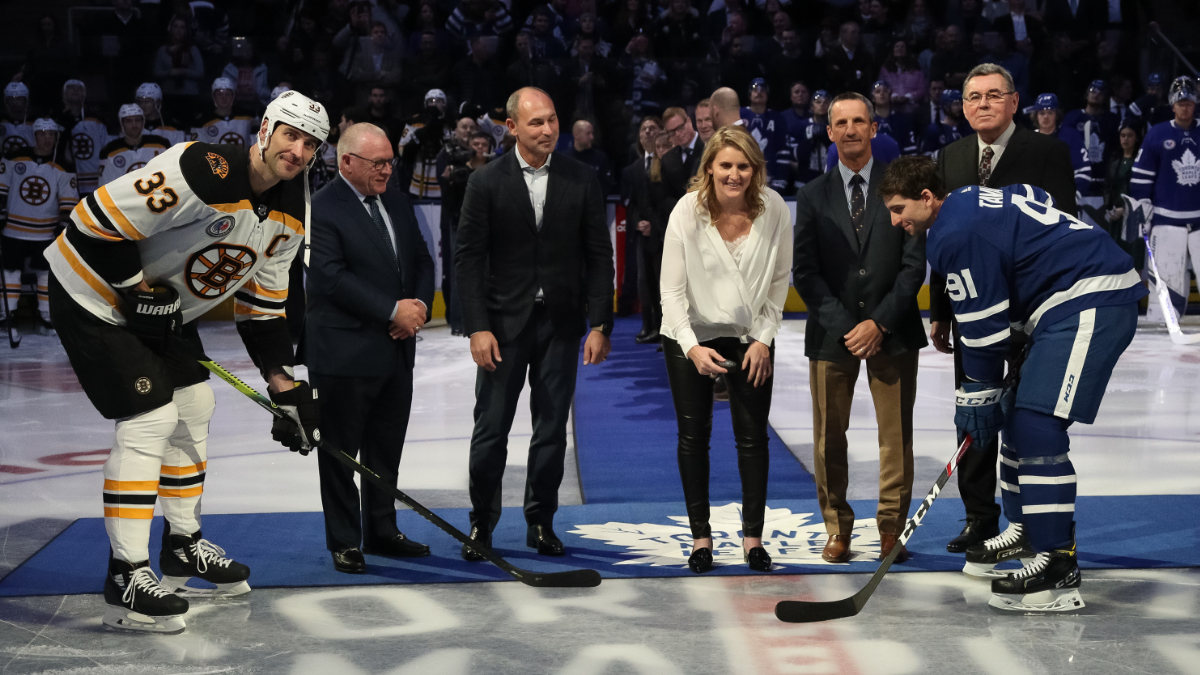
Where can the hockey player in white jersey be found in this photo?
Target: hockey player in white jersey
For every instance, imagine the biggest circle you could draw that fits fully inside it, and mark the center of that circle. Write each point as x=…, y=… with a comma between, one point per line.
x=143, y=258
x=1011, y=260
x=149, y=97
x=38, y=189
x=16, y=128
x=84, y=136
x=133, y=149
x=225, y=123
x=1166, y=173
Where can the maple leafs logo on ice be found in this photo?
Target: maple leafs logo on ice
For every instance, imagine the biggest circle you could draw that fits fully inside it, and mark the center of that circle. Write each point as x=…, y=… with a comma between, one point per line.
x=796, y=538
x=1187, y=169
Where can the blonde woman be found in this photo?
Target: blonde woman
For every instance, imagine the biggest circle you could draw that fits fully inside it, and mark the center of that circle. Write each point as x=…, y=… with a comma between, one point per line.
x=727, y=257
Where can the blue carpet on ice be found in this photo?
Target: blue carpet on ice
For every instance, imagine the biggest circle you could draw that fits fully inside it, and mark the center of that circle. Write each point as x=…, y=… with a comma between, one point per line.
x=625, y=434
x=288, y=549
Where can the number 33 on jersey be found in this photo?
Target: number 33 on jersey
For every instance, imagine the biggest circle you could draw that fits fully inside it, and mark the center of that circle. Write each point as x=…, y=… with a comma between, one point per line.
x=187, y=219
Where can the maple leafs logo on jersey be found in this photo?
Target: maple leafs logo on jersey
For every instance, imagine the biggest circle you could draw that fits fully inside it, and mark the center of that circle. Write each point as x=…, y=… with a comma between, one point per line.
x=760, y=139
x=1187, y=169
x=218, y=164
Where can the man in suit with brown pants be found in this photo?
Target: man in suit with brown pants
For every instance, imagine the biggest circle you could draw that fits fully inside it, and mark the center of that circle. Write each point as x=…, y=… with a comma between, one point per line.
x=859, y=277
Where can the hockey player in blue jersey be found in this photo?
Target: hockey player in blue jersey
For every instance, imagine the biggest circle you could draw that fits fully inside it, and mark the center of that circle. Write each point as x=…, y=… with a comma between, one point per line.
x=898, y=125
x=1046, y=117
x=769, y=129
x=810, y=144
x=1098, y=126
x=946, y=130
x=1166, y=173
x=1013, y=261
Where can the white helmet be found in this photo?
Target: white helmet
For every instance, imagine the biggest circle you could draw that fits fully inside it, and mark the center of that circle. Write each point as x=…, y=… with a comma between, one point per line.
x=45, y=124
x=299, y=111
x=149, y=90
x=223, y=83
x=74, y=83
x=130, y=110
x=16, y=90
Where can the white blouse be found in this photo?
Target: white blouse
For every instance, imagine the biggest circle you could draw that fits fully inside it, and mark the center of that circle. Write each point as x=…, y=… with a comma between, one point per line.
x=710, y=291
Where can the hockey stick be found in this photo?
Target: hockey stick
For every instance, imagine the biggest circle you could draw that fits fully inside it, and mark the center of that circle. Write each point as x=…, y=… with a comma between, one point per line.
x=584, y=578
x=14, y=338
x=801, y=611
x=1164, y=301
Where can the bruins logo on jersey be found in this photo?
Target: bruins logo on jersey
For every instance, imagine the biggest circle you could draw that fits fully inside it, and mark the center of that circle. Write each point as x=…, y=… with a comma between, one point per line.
x=134, y=167
x=14, y=142
x=232, y=138
x=35, y=190
x=217, y=163
x=211, y=272
x=82, y=146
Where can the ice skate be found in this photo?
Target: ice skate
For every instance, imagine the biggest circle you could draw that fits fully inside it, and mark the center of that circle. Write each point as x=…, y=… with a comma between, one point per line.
x=1011, y=544
x=1048, y=583
x=138, y=601
x=186, y=556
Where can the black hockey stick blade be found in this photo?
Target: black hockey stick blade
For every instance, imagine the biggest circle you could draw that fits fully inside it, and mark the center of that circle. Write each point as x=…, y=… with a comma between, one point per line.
x=802, y=611
x=583, y=578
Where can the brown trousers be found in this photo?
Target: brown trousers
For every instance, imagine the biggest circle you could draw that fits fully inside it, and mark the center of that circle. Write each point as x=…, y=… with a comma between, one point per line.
x=893, y=382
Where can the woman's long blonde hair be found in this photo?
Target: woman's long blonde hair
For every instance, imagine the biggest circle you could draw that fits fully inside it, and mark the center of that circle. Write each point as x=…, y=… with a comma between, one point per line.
x=739, y=139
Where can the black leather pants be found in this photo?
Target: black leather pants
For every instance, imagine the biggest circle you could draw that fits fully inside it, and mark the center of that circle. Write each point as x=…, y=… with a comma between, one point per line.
x=749, y=405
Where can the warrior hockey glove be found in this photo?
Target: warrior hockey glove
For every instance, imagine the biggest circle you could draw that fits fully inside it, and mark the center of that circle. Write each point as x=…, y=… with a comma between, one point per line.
x=153, y=315
x=299, y=431
x=977, y=410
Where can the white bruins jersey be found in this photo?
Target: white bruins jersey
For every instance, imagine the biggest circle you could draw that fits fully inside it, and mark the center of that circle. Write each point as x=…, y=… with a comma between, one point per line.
x=87, y=138
x=174, y=136
x=119, y=158
x=37, y=194
x=232, y=130
x=15, y=135
x=198, y=227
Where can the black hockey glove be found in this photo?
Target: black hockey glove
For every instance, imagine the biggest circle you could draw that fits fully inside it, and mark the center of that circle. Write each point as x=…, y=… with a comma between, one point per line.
x=153, y=315
x=299, y=432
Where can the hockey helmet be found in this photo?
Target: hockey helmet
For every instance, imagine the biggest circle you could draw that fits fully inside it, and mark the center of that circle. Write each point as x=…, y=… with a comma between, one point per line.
x=1098, y=85
x=1154, y=80
x=74, y=83
x=1046, y=102
x=130, y=110
x=299, y=111
x=950, y=96
x=1183, y=88
x=16, y=90
x=46, y=124
x=819, y=95
x=434, y=94
x=880, y=84
x=149, y=90
x=223, y=83
x=759, y=84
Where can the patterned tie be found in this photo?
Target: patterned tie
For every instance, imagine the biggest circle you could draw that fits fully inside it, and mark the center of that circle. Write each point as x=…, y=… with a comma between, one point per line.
x=858, y=204
x=985, y=166
x=376, y=216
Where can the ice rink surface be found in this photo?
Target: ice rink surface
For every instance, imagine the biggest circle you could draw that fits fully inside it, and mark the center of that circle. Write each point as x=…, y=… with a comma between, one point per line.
x=52, y=443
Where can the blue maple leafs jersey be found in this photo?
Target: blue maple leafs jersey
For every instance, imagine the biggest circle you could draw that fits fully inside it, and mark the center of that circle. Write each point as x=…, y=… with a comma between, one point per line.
x=898, y=125
x=1013, y=261
x=770, y=130
x=1099, y=141
x=938, y=136
x=1079, y=159
x=809, y=146
x=1167, y=172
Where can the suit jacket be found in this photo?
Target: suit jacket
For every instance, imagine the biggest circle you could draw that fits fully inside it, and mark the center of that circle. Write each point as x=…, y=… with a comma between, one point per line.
x=503, y=257
x=646, y=201
x=1032, y=158
x=678, y=173
x=846, y=277
x=353, y=283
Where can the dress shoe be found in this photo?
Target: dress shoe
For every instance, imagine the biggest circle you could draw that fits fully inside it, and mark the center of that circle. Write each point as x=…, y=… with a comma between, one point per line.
x=480, y=536
x=976, y=531
x=837, y=549
x=397, y=546
x=758, y=559
x=887, y=542
x=701, y=560
x=641, y=335
x=543, y=539
x=349, y=561
x=652, y=336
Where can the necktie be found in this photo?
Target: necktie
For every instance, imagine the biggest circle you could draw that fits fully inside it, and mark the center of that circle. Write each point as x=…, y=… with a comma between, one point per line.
x=376, y=216
x=985, y=166
x=858, y=204
x=647, y=164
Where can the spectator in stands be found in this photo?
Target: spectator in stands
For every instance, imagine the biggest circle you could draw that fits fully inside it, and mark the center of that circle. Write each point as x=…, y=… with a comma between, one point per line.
x=681, y=40
x=917, y=24
x=704, y=120
x=787, y=66
x=589, y=26
x=427, y=19
x=930, y=110
x=1063, y=71
x=378, y=65
x=583, y=149
x=970, y=18
x=951, y=62
x=632, y=17
x=477, y=77
x=1024, y=31
x=589, y=80
x=877, y=31
x=544, y=39
x=903, y=76
x=1001, y=54
x=478, y=17
x=381, y=111
x=353, y=36
x=645, y=79
x=209, y=26
x=249, y=73
x=527, y=70
x=428, y=70
x=848, y=66
x=178, y=65
x=1120, y=96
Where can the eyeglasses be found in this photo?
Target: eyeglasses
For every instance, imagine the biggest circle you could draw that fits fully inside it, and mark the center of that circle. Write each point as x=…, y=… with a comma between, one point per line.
x=675, y=130
x=376, y=164
x=993, y=96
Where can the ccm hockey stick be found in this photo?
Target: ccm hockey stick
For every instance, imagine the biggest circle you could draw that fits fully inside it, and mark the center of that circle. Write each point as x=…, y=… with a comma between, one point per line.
x=801, y=611
x=14, y=338
x=1164, y=301
x=584, y=578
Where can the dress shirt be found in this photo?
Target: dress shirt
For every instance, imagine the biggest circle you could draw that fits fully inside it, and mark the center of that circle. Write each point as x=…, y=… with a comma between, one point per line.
x=535, y=180
x=706, y=295
x=847, y=174
x=997, y=146
x=691, y=147
x=387, y=220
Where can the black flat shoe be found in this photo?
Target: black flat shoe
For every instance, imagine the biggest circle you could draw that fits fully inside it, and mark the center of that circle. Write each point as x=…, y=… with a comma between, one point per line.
x=398, y=546
x=758, y=559
x=480, y=536
x=349, y=561
x=701, y=560
x=977, y=530
x=542, y=538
